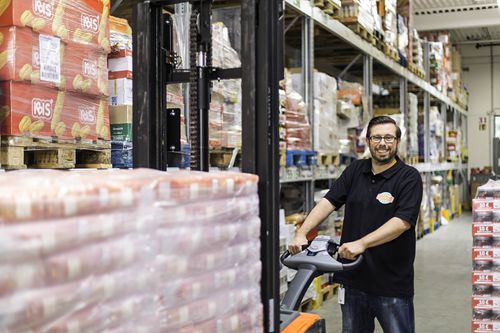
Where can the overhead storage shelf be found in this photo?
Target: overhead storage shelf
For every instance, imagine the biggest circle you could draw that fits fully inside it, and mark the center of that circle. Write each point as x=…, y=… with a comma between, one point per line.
x=348, y=36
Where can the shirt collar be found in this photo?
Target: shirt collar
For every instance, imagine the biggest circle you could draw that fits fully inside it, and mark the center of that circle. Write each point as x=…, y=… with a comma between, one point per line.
x=367, y=168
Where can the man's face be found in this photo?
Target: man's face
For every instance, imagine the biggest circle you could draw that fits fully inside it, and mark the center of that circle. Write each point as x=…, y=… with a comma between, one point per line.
x=383, y=143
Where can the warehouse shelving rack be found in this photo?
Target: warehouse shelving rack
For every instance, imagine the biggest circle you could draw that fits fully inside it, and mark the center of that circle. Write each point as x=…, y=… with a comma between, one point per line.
x=314, y=17
x=262, y=30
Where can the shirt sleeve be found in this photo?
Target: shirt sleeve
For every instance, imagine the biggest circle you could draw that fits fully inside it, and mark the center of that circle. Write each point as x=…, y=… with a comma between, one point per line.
x=410, y=198
x=337, y=195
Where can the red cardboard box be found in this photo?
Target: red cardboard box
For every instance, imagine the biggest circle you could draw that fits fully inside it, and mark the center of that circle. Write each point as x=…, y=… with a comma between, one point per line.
x=81, y=21
x=485, y=326
x=80, y=69
x=90, y=119
x=86, y=70
x=34, y=111
x=88, y=23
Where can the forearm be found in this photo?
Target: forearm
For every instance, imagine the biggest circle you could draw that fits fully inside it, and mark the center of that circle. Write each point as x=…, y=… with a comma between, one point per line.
x=320, y=212
x=389, y=231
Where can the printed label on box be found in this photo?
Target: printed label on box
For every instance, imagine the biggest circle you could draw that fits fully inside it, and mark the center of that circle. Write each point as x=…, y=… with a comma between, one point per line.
x=50, y=58
x=44, y=8
x=42, y=109
x=87, y=114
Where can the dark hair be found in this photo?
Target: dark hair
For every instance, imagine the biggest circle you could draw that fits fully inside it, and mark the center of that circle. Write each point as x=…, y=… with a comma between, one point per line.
x=383, y=120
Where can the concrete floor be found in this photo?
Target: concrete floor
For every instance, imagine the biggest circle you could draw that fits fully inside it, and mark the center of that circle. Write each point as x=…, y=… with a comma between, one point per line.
x=442, y=282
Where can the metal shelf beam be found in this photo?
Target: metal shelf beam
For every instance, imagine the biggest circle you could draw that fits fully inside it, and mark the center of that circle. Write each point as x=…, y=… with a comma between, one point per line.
x=347, y=35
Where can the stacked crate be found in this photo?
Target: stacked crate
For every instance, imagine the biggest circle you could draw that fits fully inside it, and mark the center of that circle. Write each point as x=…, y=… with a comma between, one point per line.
x=121, y=92
x=486, y=259
x=53, y=70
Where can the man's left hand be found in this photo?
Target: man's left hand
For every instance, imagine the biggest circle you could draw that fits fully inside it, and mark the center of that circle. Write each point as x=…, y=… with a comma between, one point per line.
x=352, y=249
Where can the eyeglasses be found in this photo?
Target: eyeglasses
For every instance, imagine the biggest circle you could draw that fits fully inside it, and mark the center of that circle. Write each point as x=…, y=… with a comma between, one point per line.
x=378, y=138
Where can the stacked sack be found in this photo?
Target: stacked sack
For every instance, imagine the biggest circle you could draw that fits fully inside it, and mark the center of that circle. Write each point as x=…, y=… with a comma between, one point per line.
x=121, y=92
x=486, y=258
x=53, y=69
x=129, y=251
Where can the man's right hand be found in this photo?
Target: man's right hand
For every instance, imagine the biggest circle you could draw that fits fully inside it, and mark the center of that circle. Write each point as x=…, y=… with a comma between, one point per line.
x=295, y=246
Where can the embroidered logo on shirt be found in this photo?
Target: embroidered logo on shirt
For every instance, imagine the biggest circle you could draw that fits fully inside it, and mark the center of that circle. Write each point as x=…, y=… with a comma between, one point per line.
x=385, y=198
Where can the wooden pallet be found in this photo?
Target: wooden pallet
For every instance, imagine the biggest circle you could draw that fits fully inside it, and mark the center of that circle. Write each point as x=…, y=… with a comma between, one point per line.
x=379, y=43
x=327, y=159
x=352, y=23
x=324, y=295
x=307, y=305
x=391, y=52
x=223, y=157
x=411, y=160
x=329, y=7
x=23, y=152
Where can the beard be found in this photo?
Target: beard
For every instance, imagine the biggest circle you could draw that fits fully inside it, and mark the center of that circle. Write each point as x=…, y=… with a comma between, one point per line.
x=385, y=156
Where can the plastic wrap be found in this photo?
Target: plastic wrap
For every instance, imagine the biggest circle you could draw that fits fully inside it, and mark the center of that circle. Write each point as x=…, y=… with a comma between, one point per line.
x=403, y=36
x=350, y=92
x=486, y=258
x=223, y=55
x=71, y=67
x=296, y=127
x=129, y=251
x=325, y=115
x=84, y=22
x=226, y=127
x=40, y=112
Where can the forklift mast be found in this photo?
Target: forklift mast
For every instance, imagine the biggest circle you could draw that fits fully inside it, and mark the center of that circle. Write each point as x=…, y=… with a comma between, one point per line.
x=156, y=129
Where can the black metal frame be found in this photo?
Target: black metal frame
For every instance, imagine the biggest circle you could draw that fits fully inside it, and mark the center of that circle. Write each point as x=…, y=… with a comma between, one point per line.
x=262, y=68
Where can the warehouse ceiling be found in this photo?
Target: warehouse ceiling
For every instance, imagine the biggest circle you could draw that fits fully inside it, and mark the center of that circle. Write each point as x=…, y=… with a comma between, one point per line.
x=470, y=21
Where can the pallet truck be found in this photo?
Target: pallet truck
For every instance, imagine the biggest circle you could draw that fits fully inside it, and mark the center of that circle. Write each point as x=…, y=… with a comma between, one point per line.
x=316, y=259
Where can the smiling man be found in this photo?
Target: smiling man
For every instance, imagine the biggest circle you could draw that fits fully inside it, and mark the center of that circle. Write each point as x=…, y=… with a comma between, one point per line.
x=382, y=198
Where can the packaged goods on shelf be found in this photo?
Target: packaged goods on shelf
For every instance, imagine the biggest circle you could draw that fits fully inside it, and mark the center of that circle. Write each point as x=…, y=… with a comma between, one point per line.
x=350, y=91
x=120, y=120
x=297, y=128
x=390, y=23
x=120, y=58
x=84, y=22
x=40, y=112
x=436, y=135
x=417, y=50
x=119, y=250
x=121, y=92
x=412, y=124
x=357, y=11
x=325, y=115
x=223, y=55
x=486, y=258
x=403, y=36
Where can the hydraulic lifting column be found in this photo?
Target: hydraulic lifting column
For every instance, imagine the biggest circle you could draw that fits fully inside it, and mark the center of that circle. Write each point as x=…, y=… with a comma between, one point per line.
x=156, y=129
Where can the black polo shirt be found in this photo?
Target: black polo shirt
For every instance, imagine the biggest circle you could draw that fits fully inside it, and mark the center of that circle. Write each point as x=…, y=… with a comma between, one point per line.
x=370, y=201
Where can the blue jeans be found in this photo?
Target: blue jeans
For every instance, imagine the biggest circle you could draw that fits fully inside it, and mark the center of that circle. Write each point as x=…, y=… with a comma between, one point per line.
x=395, y=315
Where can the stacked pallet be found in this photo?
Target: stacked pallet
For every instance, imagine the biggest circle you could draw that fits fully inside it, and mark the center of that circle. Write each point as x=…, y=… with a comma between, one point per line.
x=53, y=73
x=129, y=251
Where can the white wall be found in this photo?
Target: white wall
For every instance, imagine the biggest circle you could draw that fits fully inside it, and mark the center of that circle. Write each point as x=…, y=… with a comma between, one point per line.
x=478, y=81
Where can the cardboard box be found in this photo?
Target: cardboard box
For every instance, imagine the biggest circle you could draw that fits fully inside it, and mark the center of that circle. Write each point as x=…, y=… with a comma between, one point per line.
x=81, y=21
x=30, y=57
x=90, y=117
x=72, y=67
x=120, y=58
x=120, y=119
x=86, y=70
x=120, y=92
x=34, y=111
x=120, y=65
